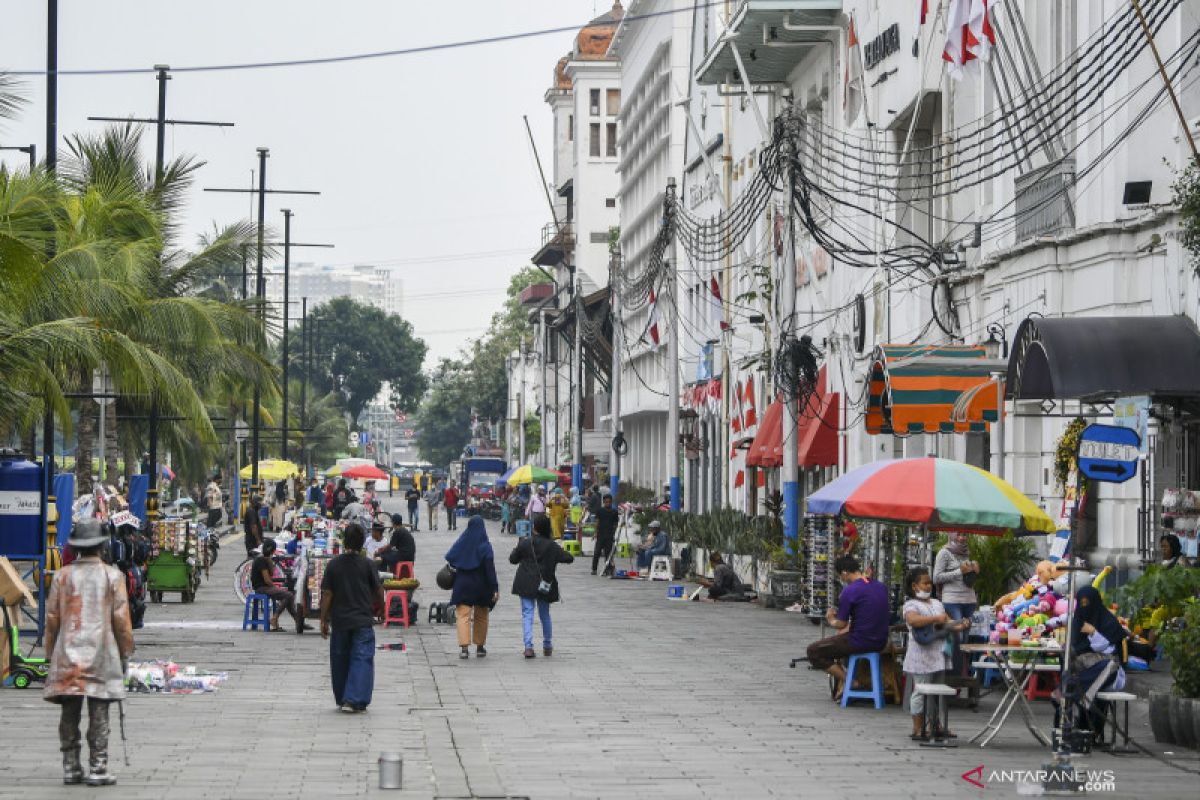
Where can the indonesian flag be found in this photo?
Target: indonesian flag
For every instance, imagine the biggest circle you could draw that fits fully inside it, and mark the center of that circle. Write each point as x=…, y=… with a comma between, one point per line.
x=655, y=336
x=718, y=303
x=740, y=480
x=749, y=416
x=922, y=18
x=955, y=52
x=981, y=36
x=736, y=422
x=852, y=92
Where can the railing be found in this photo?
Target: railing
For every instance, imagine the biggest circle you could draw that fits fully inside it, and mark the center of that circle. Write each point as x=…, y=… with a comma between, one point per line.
x=559, y=234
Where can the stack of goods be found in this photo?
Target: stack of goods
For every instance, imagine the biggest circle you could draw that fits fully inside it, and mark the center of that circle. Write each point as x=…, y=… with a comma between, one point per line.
x=168, y=677
x=1181, y=516
x=173, y=536
x=316, y=572
x=820, y=544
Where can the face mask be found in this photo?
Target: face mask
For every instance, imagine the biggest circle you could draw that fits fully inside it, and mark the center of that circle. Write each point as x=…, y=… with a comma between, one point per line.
x=924, y=595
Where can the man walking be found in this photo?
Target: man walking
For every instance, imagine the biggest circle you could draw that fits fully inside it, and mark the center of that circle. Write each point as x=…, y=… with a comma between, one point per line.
x=413, y=496
x=606, y=530
x=213, y=501
x=350, y=591
x=433, y=505
x=450, y=499
x=89, y=637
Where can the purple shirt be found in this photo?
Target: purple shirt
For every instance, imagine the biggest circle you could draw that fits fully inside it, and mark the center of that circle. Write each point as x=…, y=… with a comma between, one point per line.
x=864, y=604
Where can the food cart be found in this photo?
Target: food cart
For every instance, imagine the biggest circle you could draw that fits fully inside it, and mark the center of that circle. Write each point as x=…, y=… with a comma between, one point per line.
x=174, y=564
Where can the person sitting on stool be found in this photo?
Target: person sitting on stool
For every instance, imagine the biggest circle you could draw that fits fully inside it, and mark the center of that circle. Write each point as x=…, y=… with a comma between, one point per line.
x=861, y=618
x=659, y=544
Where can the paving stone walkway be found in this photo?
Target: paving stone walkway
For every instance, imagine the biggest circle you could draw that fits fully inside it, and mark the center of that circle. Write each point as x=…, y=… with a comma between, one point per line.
x=643, y=698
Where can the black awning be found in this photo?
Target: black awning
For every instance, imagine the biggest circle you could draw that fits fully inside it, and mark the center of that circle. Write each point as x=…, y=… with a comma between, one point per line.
x=1101, y=358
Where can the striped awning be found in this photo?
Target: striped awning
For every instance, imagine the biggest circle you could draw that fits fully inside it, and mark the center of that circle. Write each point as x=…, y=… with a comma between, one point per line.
x=931, y=389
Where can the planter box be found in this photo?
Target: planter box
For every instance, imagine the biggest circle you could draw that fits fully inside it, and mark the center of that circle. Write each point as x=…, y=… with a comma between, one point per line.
x=1182, y=713
x=786, y=587
x=1160, y=717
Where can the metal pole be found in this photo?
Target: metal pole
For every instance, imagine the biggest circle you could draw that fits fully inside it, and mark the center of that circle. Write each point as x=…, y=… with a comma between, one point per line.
x=998, y=377
x=51, y=85
x=287, y=268
x=673, y=369
x=159, y=167
x=1162, y=70
x=543, y=430
x=614, y=472
x=306, y=361
x=521, y=407
x=263, y=152
x=577, y=416
x=161, y=127
x=791, y=442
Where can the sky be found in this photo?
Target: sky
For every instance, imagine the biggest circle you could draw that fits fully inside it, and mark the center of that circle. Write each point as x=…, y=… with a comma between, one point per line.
x=422, y=160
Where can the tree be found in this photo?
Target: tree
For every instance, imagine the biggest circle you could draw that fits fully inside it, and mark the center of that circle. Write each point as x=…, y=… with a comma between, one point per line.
x=367, y=348
x=443, y=422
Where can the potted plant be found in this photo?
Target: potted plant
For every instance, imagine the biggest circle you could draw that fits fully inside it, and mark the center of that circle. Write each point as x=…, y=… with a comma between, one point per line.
x=1181, y=644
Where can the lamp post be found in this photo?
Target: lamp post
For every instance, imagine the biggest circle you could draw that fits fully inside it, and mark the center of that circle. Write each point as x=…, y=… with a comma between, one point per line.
x=31, y=149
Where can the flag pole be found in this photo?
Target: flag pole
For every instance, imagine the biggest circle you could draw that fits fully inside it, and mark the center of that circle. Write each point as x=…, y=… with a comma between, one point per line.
x=1162, y=70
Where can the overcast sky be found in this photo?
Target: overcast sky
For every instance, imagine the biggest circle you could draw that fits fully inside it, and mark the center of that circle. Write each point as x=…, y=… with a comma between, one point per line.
x=417, y=157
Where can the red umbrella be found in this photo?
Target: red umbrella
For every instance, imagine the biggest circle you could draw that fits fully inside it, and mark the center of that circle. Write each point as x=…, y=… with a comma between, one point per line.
x=365, y=472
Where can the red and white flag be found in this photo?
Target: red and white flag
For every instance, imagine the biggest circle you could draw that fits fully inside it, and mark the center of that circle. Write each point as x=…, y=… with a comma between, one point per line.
x=736, y=410
x=749, y=414
x=922, y=18
x=718, y=303
x=970, y=36
x=981, y=36
x=852, y=90
x=655, y=334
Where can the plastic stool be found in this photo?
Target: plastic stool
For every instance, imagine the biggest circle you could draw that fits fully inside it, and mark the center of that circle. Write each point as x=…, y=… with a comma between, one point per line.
x=624, y=550
x=1041, y=685
x=875, y=692
x=1124, y=698
x=573, y=547
x=660, y=569
x=989, y=669
x=257, y=613
x=941, y=693
x=388, y=617
x=402, y=567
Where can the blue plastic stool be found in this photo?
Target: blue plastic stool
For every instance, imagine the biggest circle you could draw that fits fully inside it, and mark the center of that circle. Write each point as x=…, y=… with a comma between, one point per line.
x=875, y=692
x=257, y=613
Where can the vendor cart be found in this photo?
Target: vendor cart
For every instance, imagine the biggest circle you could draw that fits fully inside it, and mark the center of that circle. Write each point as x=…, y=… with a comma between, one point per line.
x=174, y=564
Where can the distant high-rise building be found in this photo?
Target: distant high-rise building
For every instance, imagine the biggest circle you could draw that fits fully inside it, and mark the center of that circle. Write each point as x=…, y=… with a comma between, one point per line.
x=373, y=285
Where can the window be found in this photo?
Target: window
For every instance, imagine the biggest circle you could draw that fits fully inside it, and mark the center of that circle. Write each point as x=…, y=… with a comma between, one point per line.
x=611, y=152
x=570, y=127
x=595, y=102
x=610, y=202
x=614, y=102
x=594, y=140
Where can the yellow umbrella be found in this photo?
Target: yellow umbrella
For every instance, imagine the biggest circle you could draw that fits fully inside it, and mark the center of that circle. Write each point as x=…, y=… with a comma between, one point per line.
x=271, y=469
x=334, y=471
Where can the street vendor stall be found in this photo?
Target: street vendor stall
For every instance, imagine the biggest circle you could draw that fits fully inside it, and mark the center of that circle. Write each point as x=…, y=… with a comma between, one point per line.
x=175, y=562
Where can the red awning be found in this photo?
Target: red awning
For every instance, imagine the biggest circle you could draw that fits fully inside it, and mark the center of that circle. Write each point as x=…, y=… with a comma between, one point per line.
x=816, y=429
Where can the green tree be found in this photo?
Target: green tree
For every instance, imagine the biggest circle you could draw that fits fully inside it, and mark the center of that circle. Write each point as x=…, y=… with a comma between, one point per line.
x=367, y=348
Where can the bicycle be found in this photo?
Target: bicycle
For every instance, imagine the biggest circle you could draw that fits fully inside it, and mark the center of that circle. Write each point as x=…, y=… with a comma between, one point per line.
x=242, y=585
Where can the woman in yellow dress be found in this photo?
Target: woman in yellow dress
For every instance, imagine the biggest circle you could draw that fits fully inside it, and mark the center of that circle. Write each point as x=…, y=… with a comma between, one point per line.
x=557, y=509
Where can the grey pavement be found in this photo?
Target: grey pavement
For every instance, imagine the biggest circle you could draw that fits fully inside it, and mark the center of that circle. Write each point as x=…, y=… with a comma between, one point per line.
x=644, y=697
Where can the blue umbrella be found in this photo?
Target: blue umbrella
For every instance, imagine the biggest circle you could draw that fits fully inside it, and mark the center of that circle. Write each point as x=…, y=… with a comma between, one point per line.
x=503, y=479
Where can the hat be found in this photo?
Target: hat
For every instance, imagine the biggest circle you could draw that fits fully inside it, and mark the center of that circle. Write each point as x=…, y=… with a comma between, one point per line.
x=377, y=525
x=87, y=533
x=655, y=523
x=541, y=489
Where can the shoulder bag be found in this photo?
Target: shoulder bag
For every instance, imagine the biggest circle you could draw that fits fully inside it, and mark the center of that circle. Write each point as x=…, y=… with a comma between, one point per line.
x=544, y=586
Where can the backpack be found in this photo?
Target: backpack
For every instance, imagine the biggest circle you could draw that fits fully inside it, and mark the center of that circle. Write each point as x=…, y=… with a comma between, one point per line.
x=117, y=551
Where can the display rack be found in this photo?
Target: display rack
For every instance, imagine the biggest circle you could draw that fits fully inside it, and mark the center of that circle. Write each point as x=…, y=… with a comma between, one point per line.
x=821, y=546
x=174, y=564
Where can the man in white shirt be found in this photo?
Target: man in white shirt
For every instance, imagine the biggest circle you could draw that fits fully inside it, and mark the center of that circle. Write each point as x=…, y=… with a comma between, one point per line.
x=213, y=500
x=375, y=541
x=536, y=508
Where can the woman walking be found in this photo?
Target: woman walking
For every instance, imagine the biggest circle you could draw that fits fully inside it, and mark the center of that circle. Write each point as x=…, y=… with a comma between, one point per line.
x=557, y=509
x=535, y=583
x=476, y=588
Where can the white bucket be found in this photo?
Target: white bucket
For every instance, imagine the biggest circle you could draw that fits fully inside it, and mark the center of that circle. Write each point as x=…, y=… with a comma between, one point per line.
x=391, y=771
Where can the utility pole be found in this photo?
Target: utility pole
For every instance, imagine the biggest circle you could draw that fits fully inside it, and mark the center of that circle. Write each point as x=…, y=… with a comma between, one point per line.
x=160, y=122
x=31, y=150
x=577, y=400
x=791, y=442
x=543, y=429
x=673, y=369
x=51, y=85
x=521, y=407
x=614, y=384
x=259, y=292
x=306, y=362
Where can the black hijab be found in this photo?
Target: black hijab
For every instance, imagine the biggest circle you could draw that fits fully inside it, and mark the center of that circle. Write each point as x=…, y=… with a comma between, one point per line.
x=1099, y=617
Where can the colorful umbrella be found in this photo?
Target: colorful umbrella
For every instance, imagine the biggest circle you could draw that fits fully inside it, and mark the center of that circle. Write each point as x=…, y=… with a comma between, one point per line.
x=334, y=471
x=503, y=479
x=271, y=469
x=531, y=474
x=364, y=472
x=937, y=493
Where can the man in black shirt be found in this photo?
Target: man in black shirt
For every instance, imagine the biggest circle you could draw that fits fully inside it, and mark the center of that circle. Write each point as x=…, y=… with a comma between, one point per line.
x=413, y=497
x=350, y=593
x=342, y=497
x=606, y=529
x=400, y=547
x=252, y=524
x=260, y=578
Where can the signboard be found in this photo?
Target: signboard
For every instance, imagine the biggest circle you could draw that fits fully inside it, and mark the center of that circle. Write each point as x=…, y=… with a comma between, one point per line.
x=240, y=431
x=20, y=503
x=364, y=437
x=352, y=439
x=1109, y=453
x=125, y=518
x=1133, y=413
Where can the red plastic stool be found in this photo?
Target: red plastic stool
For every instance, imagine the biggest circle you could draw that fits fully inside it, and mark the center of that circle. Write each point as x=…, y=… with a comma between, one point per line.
x=402, y=567
x=1041, y=686
x=388, y=616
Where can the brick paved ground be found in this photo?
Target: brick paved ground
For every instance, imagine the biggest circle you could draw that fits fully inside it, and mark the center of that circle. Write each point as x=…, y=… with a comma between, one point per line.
x=643, y=698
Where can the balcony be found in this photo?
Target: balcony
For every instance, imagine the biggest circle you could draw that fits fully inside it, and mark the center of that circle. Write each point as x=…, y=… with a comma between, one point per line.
x=558, y=242
x=536, y=294
x=771, y=37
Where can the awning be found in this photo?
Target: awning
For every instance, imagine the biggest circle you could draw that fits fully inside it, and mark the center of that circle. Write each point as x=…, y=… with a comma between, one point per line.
x=816, y=430
x=773, y=36
x=914, y=389
x=1102, y=358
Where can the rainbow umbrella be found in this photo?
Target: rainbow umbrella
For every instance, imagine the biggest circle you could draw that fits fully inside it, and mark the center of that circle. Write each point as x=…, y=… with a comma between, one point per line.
x=531, y=474
x=936, y=493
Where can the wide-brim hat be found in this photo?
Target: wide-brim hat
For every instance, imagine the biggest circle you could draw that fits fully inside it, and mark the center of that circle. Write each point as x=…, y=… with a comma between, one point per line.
x=87, y=533
x=655, y=524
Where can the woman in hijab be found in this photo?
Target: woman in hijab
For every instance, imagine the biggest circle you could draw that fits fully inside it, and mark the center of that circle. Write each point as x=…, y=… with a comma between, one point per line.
x=557, y=509
x=954, y=574
x=476, y=588
x=1171, y=550
x=1097, y=653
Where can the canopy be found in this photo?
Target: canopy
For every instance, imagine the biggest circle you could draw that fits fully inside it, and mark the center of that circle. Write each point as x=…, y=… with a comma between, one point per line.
x=271, y=469
x=503, y=479
x=528, y=473
x=364, y=472
x=816, y=430
x=1102, y=358
x=914, y=389
x=935, y=492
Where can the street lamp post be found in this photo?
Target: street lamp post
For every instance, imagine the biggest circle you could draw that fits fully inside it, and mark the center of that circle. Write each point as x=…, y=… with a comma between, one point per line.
x=31, y=150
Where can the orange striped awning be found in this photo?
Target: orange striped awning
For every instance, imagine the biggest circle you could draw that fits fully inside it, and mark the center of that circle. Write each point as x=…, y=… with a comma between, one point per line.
x=931, y=389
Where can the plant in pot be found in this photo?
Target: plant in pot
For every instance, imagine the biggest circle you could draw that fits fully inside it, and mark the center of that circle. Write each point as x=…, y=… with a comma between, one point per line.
x=1181, y=643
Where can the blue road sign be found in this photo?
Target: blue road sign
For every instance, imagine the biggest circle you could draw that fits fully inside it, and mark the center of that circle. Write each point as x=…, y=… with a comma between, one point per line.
x=1109, y=453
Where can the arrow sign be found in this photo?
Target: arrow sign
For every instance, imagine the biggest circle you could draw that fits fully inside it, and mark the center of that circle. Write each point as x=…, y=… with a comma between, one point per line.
x=1109, y=453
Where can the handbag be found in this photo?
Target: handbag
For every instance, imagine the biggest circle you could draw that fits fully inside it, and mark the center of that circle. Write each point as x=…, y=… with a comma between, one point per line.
x=445, y=577
x=928, y=634
x=544, y=586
